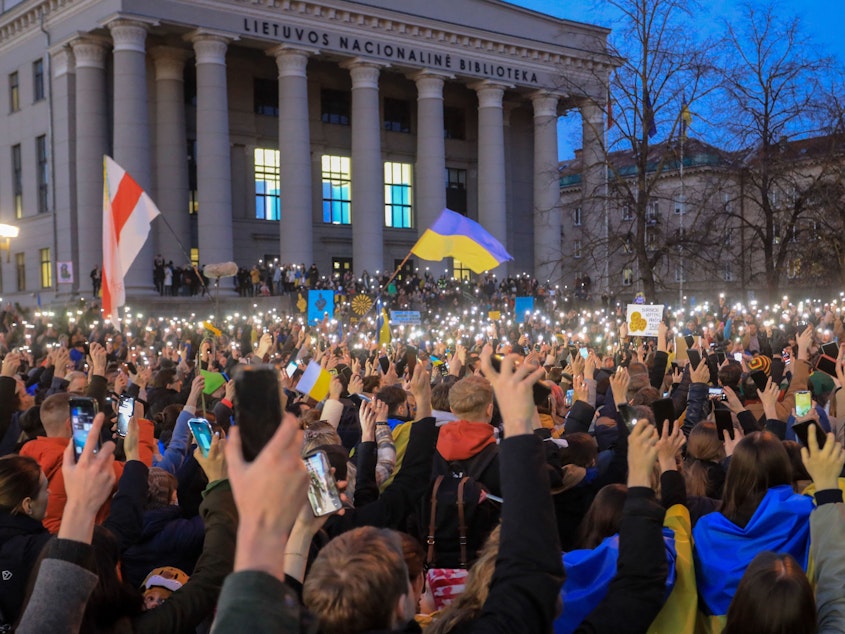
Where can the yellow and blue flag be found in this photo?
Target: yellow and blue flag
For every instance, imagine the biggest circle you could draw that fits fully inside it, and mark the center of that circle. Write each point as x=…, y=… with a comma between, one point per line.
x=382, y=323
x=686, y=118
x=454, y=235
x=724, y=550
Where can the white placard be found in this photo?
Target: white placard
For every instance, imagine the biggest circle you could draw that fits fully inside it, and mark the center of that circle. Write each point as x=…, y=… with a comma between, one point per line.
x=644, y=319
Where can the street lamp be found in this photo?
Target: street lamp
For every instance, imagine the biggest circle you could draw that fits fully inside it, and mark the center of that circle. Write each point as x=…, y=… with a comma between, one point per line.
x=7, y=232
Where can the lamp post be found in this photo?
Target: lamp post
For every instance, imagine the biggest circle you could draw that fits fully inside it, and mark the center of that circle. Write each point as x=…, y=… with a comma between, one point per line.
x=7, y=232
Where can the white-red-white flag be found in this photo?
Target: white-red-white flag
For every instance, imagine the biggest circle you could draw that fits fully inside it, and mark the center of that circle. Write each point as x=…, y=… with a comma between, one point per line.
x=127, y=214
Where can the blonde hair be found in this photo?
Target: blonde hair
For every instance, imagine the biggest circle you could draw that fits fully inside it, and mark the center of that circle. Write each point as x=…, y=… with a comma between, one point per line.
x=471, y=395
x=468, y=604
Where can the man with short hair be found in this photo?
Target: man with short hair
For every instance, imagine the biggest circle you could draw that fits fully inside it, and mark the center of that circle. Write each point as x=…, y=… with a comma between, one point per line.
x=49, y=450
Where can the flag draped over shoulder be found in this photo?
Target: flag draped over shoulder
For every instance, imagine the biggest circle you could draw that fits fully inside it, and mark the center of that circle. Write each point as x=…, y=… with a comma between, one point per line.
x=127, y=215
x=723, y=550
x=382, y=323
x=454, y=235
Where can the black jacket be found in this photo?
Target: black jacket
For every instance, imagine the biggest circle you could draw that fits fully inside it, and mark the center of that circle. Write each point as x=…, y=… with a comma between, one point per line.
x=21, y=541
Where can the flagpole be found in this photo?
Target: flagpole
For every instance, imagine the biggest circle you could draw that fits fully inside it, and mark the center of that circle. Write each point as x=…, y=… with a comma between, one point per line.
x=396, y=272
x=683, y=212
x=206, y=292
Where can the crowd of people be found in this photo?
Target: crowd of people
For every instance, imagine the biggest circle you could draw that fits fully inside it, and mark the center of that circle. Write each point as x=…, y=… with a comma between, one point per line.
x=484, y=471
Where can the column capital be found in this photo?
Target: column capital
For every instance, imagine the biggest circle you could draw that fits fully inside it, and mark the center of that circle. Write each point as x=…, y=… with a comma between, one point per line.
x=364, y=73
x=430, y=84
x=545, y=104
x=489, y=93
x=129, y=35
x=591, y=111
x=292, y=61
x=62, y=60
x=170, y=62
x=210, y=48
x=90, y=52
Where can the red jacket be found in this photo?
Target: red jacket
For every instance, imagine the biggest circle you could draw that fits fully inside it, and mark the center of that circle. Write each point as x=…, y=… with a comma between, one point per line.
x=49, y=453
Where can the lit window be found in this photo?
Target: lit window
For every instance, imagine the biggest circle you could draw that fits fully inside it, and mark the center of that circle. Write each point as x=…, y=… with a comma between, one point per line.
x=459, y=271
x=46, y=268
x=195, y=256
x=14, y=93
x=337, y=185
x=398, y=195
x=267, y=202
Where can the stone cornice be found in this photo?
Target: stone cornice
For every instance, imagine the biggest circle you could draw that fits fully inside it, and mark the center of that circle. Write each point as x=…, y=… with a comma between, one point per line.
x=403, y=27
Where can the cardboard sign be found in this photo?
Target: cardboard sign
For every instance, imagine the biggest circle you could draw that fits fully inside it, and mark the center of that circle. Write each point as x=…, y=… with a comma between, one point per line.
x=644, y=319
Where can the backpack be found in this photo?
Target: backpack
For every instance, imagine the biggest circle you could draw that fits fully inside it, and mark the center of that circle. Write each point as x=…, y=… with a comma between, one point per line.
x=458, y=516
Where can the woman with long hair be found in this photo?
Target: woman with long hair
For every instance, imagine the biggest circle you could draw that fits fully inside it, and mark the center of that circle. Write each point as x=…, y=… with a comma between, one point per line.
x=759, y=512
x=703, y=472
x=23, y=503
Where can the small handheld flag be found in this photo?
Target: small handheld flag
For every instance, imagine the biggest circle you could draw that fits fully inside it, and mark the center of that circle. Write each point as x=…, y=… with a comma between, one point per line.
x=454, y=235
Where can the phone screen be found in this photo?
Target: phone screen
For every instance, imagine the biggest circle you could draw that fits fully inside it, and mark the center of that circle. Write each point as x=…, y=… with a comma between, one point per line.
x=803, y=429
x=694, y=357
x=724, y=421
x=125, y=411
x=827, y=365
x=292, y=366
x=664, y=409
x=82, y=413
x=201, y=430
x=384, y=364
x=258, y=408
x=738, y=357
x=803, y=403
x=760, y=379
x=585, y=352
x=322, y=490
x=831, y=349
x=568, y=399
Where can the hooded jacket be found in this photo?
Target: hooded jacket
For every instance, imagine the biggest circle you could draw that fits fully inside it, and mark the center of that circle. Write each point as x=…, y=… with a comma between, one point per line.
x=49, y=453
x=463, y=440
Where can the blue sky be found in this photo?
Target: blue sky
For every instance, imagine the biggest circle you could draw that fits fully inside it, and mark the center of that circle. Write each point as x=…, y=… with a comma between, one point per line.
x=822, y=20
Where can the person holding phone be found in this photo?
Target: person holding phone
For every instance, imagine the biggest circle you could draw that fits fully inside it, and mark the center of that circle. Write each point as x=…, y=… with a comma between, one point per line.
x=48, y=451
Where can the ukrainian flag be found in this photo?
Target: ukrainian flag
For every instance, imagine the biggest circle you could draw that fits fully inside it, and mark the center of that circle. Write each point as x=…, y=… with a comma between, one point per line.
x=454, y=235
x=382, y=323
x=724, y=550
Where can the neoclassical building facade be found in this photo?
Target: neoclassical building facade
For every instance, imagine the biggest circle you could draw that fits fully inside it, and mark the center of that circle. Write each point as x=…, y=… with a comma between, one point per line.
x=326, y=131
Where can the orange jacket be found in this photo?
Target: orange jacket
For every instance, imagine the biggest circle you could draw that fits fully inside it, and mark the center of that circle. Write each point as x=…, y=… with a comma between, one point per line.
x=49, y=453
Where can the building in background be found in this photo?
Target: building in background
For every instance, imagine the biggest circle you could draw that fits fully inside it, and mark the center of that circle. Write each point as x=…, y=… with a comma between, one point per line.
x=740, y=223
x=329, y=132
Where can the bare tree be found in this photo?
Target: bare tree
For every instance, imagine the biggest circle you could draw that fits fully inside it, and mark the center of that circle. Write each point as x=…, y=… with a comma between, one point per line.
x=661, y=65
x=772, y=92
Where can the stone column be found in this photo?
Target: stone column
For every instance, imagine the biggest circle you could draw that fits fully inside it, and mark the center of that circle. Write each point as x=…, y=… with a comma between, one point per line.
x=593, y=180
x=91, y=144
x=295, y=229
x=429, y=186
x=214, y=170
x=492, y=211
x=367, y=170
x=171, y=172
x=132, y=147
x=547, y=220
x=63, y=91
